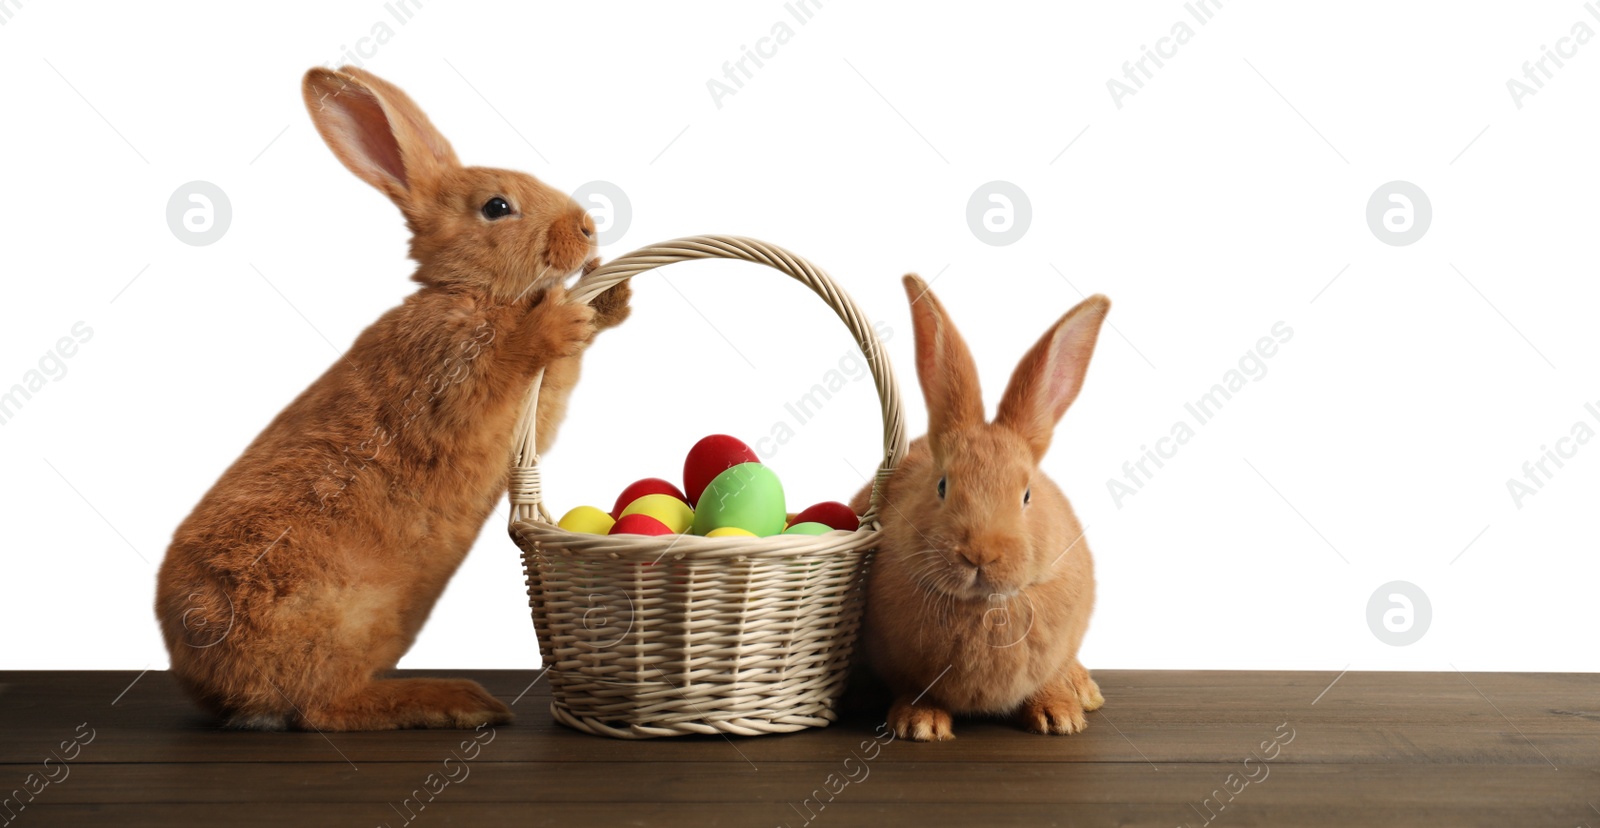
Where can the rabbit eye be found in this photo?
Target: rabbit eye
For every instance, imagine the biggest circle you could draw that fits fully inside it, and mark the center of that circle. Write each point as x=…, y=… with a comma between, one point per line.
x=941, y=488
x=495, y=208
x=1027, y=496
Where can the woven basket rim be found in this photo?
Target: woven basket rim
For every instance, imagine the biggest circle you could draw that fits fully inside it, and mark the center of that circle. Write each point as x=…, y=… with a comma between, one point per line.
x=696, y=547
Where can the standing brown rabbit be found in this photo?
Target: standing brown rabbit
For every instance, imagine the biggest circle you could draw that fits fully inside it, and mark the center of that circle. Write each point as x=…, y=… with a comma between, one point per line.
x=305, y=573
x=981, y=589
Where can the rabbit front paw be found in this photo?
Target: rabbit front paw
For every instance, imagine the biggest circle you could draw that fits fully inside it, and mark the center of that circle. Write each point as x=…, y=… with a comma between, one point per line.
x=920, y=721
x=555, y=328
x=1054, y=710
x=1088, y=691
x=611, y=306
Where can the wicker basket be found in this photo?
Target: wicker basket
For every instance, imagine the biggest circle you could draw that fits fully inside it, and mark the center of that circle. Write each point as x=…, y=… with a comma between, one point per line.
x=647, y=636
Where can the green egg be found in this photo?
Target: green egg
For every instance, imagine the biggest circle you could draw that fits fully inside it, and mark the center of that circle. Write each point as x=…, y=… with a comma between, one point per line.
x=810, y=527
x=747, y=496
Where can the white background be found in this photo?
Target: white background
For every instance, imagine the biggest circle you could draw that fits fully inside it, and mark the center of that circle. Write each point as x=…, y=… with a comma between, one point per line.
x=1376, y=448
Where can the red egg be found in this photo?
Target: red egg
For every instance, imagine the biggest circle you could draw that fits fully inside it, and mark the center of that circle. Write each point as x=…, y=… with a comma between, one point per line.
x=831, y=513
x=647, y=486
x=710, y=457
x=637, y=524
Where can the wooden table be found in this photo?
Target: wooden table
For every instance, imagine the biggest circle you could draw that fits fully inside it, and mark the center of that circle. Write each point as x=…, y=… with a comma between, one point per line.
x=1171, y=748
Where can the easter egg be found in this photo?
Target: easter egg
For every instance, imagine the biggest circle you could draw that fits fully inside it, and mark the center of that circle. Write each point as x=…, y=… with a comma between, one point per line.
x=710, y=457
x=748, y=496
x=808, y=528
x=637, y=524
x=729, y=532
x=663, y=507
x=586, y=520
x=833, y=514
x=647, y=486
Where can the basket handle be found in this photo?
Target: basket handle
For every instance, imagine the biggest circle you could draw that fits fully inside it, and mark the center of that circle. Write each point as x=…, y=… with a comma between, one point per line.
x=526, y=488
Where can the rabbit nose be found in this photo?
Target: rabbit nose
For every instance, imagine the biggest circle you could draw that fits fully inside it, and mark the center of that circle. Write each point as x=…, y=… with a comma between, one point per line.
x=979, y=556
x=586, y=226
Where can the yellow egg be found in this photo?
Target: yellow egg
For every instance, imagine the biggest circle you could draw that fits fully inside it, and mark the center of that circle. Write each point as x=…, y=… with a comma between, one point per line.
x=730, y=532
x=586, y=520
x=663, y=507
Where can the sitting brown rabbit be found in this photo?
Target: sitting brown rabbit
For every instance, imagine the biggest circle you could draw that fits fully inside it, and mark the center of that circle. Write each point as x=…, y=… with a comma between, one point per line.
x=982, y=586
x=305, y=573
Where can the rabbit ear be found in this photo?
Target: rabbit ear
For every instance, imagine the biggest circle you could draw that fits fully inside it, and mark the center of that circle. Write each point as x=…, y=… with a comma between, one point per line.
x=1049, y=376
x=944, y=365
x=378, y=132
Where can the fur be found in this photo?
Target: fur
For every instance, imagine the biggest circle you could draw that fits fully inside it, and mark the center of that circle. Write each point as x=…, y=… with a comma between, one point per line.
x=306, y=571
x=976, y=601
